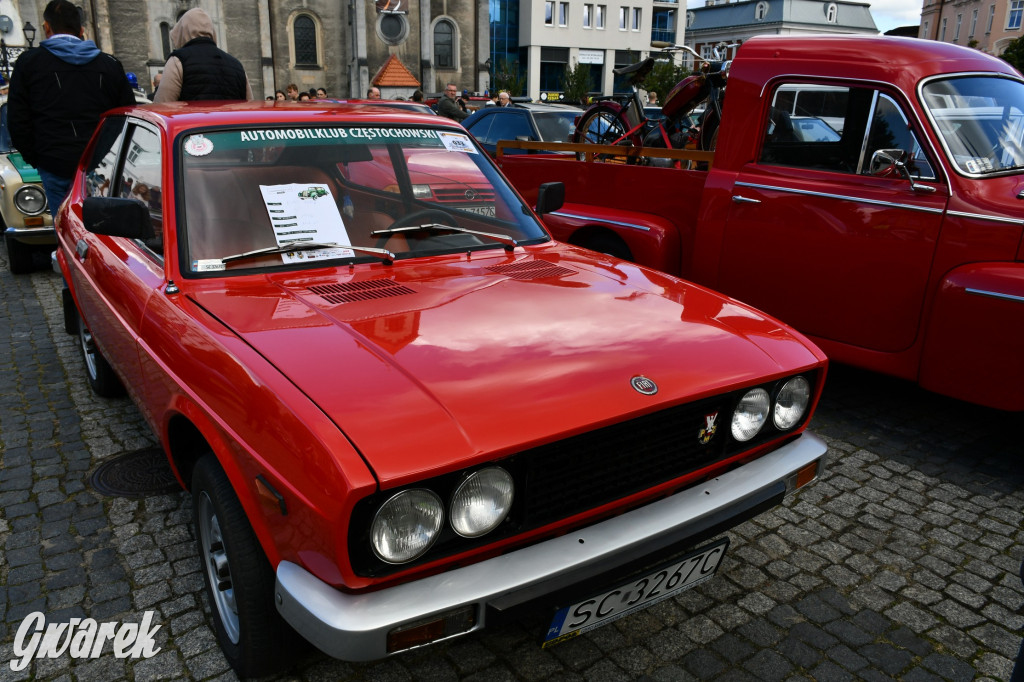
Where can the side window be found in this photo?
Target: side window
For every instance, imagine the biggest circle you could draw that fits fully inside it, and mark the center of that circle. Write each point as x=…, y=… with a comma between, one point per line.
x=103, y=163
x=140, y=178
x=833, y=128
x=481, y=129
x=510, y=127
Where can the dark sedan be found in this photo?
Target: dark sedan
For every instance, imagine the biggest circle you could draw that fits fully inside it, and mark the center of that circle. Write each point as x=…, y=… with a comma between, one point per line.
x=531, y=122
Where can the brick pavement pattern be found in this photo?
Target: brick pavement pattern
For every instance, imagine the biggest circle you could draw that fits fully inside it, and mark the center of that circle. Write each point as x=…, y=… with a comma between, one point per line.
x=901, y=563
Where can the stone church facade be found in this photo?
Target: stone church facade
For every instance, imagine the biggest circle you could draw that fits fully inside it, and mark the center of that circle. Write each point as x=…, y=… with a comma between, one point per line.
x=339, y=46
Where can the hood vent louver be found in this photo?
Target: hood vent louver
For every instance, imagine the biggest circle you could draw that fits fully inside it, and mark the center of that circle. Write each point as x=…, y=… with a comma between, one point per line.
x=351, y=292
x=536, y=269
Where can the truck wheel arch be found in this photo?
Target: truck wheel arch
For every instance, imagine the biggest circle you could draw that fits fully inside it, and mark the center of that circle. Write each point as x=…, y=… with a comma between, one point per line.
x=602, y=240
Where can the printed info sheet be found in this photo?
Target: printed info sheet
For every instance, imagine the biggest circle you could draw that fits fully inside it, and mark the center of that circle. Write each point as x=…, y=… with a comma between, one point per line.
x=306, y=213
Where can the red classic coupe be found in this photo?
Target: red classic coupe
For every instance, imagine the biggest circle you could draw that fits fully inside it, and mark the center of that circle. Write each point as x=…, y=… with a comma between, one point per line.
x=401, y=418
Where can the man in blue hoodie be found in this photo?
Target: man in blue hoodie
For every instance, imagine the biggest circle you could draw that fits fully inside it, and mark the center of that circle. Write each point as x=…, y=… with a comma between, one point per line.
x=58, y=92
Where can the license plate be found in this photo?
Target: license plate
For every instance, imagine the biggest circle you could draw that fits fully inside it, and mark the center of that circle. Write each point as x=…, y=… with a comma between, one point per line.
x=682, y=574
x=480, y=210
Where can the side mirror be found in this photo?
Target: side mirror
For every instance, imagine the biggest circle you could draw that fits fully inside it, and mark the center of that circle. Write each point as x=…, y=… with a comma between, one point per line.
x=885, y=163
x=117, y=217
x=550, y=197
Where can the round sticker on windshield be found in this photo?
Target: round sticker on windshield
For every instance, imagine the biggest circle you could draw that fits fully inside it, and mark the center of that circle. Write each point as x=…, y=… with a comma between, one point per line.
x=197, y=145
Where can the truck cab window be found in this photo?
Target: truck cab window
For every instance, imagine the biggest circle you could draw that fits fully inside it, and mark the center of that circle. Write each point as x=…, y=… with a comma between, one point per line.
x=834, y=128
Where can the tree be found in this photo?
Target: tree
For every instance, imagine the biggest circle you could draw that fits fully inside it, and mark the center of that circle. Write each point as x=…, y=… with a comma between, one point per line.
x=508, y=76
x=1014, y=54
x=576, y=82
x=663, y=77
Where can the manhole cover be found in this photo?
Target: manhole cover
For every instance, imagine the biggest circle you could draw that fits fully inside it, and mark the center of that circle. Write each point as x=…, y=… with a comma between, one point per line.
x=135, y=474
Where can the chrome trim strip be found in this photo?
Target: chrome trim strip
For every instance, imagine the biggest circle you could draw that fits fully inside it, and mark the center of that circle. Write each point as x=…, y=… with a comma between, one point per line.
x=980, y=216
x=354, y=627
x=841, y=197
x=995, y=294
x=15, y=232
x=600, y=220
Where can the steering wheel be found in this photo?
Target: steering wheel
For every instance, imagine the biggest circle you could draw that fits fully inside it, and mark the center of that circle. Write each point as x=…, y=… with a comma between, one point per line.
x=426, y=215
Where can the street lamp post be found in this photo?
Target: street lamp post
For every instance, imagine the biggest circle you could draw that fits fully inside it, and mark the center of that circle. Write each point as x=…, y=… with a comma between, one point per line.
x=30, y=32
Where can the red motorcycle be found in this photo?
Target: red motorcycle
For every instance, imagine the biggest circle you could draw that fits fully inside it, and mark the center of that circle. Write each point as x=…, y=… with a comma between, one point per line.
x=620, y=120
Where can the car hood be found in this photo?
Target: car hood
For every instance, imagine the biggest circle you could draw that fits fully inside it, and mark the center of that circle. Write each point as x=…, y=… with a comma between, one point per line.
x=431, y=365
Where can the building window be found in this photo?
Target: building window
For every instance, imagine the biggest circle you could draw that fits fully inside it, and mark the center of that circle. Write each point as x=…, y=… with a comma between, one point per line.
x=553, y=61
x=588, y=11
x=563, y=14
x=924, y=30
x=974, y=23
x=663, y=25
x=636, y=18
x=623, y=18
x=831, y=13
x=304, y=33
x=991, y=18
x=1016, y=10
x=599, y=17
x=760, y=11
x=444, y=45
x=620, y=84
x=956, y=32
x=549, y=13
x=690, y=18
x=392, y=28
x=942, y=35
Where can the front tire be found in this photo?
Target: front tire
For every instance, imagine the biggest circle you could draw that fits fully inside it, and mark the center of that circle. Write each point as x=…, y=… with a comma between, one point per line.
x=19, y=257
x=255, y=639
x=103, y=380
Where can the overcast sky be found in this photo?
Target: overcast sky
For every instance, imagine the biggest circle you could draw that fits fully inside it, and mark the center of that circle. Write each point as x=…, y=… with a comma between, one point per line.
x=888, y=14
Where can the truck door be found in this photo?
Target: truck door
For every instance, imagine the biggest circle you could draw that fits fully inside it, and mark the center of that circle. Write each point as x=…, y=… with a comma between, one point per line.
x=816, y=239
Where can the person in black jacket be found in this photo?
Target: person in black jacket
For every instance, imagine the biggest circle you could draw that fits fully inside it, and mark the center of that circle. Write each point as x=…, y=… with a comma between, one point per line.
x=198, y=69
x=58, y=92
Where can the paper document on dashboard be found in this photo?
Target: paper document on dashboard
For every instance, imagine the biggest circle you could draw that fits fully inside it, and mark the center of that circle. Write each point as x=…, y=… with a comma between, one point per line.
x=305, y=213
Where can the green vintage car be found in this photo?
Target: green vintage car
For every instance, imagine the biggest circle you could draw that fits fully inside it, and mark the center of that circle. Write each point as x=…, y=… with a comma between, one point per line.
x=23, y=211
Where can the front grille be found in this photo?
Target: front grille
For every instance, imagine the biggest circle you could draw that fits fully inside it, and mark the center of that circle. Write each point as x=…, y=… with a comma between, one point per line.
x=464, y=195
x=586, y=471
x=579, y=473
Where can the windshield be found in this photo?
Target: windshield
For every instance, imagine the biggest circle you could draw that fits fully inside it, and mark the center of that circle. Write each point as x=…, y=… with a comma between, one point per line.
x=980, y=120
x=294, y=196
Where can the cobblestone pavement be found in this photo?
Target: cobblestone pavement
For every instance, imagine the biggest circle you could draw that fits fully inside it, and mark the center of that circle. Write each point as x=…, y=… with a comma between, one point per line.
x=901, y=563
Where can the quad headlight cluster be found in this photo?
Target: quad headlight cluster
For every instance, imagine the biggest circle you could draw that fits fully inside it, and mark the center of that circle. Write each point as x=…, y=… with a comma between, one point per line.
x=410, y=521
x=755, y=408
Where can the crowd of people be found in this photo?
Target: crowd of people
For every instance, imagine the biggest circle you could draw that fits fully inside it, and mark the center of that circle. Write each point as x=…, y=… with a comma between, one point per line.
x=51, y=126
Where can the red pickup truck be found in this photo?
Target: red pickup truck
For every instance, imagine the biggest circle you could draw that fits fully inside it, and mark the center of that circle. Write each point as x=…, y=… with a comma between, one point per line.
x=867, y=190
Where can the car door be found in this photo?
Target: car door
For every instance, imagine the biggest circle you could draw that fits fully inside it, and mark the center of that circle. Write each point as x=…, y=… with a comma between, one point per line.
x=114, y=277
x=814, y=238
x=509, y=124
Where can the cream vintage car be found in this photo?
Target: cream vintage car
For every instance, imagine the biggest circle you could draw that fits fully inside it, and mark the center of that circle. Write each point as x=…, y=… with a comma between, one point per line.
x=26, y=221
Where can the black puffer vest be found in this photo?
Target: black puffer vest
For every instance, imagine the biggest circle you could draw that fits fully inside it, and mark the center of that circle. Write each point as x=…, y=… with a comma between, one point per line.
x=208, y=72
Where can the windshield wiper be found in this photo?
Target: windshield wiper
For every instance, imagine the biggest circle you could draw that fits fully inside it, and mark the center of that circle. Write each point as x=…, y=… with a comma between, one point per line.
x=383, y=254
x=508, y=242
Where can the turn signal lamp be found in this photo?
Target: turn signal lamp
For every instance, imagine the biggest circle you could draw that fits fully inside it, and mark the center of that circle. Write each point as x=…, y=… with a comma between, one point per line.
x=431, y=629
x=803, y=476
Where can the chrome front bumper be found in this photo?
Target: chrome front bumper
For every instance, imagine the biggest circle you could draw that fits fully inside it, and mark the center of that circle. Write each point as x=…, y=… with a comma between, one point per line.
x=354, y=627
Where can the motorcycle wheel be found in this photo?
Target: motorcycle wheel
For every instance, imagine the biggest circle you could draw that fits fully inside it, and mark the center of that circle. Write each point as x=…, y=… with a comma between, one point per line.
x=603, y=124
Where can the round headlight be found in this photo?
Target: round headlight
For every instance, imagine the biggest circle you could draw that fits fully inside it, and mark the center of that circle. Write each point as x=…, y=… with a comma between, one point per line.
x=750, y=414
x=481, y=502
x=792, y=402
x=406, y=525
x=30, y=200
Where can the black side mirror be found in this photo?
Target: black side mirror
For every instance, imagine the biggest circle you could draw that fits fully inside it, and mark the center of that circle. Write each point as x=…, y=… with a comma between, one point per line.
x=117, y=217
x=550, y=197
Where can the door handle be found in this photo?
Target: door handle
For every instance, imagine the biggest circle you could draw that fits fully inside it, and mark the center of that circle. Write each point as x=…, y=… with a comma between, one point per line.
x=81, y=248
x=737, y=199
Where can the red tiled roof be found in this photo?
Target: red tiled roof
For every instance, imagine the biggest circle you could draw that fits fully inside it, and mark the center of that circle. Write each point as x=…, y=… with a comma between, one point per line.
x=394, y=74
